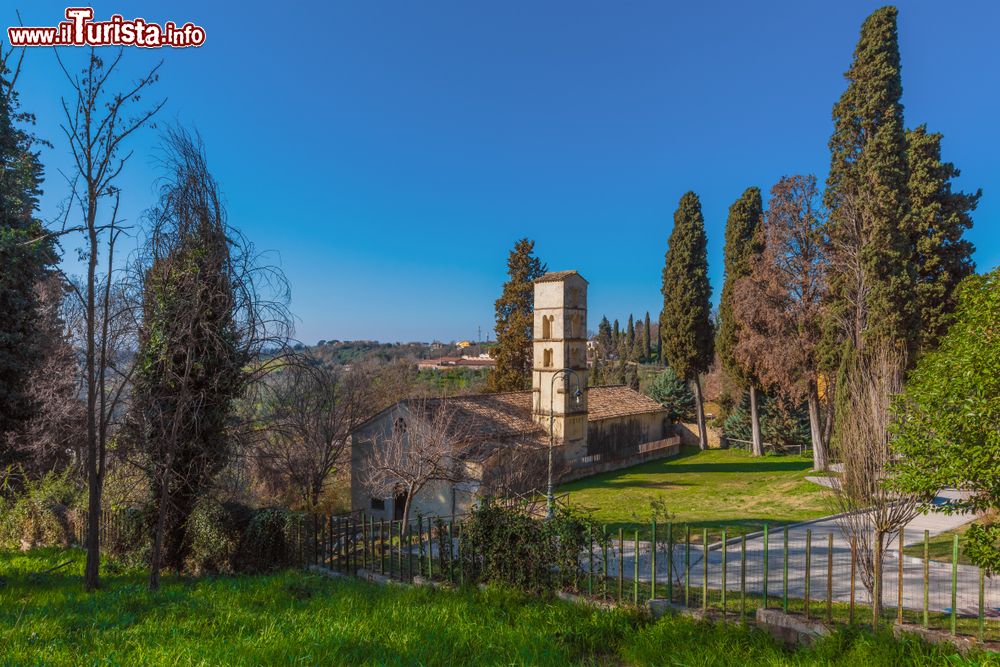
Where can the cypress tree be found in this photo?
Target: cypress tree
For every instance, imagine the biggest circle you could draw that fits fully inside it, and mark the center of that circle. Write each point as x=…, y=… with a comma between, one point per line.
x=866, y=197
x=631, y=331
x=515, y=320
x=685, y=323
x=25, y=261
x=605, y=338
x=744, y=245
x=936, y=220
x=647, y=352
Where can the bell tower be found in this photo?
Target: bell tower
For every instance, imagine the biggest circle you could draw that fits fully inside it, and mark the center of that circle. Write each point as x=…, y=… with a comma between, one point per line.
x=559, y=369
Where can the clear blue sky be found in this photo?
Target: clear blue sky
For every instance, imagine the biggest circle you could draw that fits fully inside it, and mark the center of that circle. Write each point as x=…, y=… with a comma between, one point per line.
x=390, y=153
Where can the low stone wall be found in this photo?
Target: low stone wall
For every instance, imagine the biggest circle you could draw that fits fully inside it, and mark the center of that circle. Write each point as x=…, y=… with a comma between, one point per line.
x=670, y=447
x=689, y=435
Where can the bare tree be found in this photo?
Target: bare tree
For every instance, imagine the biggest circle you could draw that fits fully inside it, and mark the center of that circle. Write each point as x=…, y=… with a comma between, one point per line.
x=97, y=123
x=780, y=304
x=423, y=445
x=309, y=416
x=871, y=513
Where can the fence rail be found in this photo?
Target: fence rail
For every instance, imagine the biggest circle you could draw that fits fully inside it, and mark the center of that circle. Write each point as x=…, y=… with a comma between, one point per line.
x=817, y=573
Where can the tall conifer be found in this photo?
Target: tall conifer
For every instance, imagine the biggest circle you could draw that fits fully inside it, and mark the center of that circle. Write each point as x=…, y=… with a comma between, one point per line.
x=872, y=273
x=25, y=261
x=685, y=323
x=936, y=220
x=515, y=320
x=744, y=245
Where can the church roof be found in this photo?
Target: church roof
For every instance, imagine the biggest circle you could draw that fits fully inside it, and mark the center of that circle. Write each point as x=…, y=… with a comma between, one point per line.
x=492, y=418
x=556, y=276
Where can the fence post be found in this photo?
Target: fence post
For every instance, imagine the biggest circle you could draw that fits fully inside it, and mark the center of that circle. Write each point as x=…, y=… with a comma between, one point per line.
x=743, y=577
x=982, y=605
x=704, y=568
x=829, y=578
x=877, y=582
x=604, y=547
x=784, y=575
x=724, y=550
x=927, y=577
x=899, y=580
x=767, y=551
x=854, y=566
x=954, y=585
x=409, y=549
x=621, y=563
x=461, y=559
x=590, y=560
x=635, y=571
x=687, y=566
x=805, y=601
x=670, y=561
x=652, y=565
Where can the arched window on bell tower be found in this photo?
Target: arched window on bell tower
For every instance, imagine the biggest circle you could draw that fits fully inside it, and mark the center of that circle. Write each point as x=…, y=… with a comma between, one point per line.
x=547, y=326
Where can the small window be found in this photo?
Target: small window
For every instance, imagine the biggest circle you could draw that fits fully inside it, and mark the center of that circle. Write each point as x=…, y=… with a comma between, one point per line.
x=399, y=426
x=378, y=504
x=547, y=326
x=548, y=358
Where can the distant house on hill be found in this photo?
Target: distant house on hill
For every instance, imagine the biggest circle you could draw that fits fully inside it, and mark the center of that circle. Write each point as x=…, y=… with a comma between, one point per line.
x=501, y=440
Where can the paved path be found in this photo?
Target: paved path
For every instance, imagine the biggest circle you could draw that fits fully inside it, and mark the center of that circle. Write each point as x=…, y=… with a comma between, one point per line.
x=821, y=561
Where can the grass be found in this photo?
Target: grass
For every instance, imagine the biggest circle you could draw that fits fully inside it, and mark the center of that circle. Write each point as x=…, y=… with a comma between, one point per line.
x=710, y=489
x=940, y=547
x=297, y=618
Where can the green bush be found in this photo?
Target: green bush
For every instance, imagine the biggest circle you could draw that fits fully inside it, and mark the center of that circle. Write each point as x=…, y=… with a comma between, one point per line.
x=38, y=512
x=505, y=546
x=214, y=534
x=268, y=541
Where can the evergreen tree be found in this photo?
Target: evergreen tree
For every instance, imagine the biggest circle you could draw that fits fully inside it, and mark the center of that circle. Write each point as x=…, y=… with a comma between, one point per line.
x=685, y=323
x=866, y=197
x=605, y=338
x=936, y=220
x=631, y=332
x=673, y=393
x=744, y=246
x=24, y=261
x=647, y=352
x=638, y=348
x=515, y=320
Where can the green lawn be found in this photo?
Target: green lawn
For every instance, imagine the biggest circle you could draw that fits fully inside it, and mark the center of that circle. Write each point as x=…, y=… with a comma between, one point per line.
x=710, y=489
x=940, y=547
x=297, y=618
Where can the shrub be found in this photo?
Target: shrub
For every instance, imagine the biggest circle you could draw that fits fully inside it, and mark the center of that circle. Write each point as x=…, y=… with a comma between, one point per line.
x=506, y=546
x=268, y=541
x=214, y=535
x=41, y=513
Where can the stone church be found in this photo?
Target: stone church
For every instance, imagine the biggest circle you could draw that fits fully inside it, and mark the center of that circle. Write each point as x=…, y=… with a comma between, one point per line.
x=502, y=439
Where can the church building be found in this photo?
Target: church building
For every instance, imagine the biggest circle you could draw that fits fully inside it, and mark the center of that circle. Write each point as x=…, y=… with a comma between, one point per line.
x=501, y=440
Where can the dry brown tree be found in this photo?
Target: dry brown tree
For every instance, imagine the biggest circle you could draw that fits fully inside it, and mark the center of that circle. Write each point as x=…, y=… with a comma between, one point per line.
x=98, y=121
x=780, y=304
x=309, y=414
x=424, y=444
x=871, y=513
